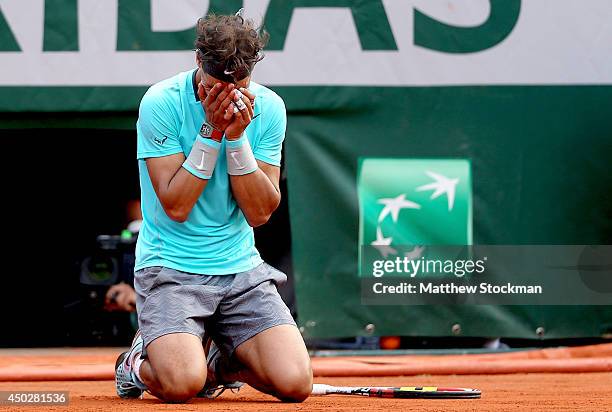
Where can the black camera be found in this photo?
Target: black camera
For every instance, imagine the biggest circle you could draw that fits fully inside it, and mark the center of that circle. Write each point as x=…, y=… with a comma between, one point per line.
x=112, y=262
x=87, y=322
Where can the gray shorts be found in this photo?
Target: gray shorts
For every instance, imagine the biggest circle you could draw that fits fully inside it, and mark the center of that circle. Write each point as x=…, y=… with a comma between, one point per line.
x=229, y=308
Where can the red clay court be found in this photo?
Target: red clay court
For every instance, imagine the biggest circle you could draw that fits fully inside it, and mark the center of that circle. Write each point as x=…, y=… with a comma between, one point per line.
x=561, y=379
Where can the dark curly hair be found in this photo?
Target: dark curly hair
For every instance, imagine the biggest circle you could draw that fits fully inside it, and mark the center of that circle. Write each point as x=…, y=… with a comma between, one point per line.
x=232, y=41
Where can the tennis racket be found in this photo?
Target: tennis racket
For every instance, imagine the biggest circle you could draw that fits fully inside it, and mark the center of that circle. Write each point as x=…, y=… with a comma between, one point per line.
x=405, y=392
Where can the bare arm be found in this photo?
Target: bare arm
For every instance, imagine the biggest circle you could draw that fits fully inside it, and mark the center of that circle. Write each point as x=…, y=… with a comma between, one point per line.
x=176, y=188
x=257, y=193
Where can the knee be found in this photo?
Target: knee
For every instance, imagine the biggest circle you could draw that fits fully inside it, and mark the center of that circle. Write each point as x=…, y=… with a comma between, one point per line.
x=181, y=386
x=295, y=386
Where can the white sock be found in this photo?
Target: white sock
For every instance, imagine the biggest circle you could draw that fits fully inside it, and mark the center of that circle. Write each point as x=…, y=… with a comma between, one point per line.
x=136, y=368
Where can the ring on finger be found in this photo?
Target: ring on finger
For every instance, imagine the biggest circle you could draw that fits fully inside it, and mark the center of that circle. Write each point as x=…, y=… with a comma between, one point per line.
x=239, y=103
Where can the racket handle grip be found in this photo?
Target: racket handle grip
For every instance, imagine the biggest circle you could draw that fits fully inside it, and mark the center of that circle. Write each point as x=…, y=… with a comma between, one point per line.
x=320, y=389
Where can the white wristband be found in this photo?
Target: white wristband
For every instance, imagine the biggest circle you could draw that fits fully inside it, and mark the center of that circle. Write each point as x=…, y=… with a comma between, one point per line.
x=202, y=158
x=240, y=159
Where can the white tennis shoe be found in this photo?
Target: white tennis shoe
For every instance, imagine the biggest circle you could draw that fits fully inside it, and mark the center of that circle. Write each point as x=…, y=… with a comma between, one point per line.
x=126, y=382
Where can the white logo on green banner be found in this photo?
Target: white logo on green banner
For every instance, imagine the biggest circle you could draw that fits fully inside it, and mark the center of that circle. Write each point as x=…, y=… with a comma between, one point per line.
x=413, y=202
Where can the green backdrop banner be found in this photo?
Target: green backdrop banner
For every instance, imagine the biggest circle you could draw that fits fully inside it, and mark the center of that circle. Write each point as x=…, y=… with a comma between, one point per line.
x=540, y=166
x=91, y=56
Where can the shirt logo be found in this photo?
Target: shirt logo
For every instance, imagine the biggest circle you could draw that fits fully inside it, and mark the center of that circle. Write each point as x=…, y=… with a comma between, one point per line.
x=160, y=141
